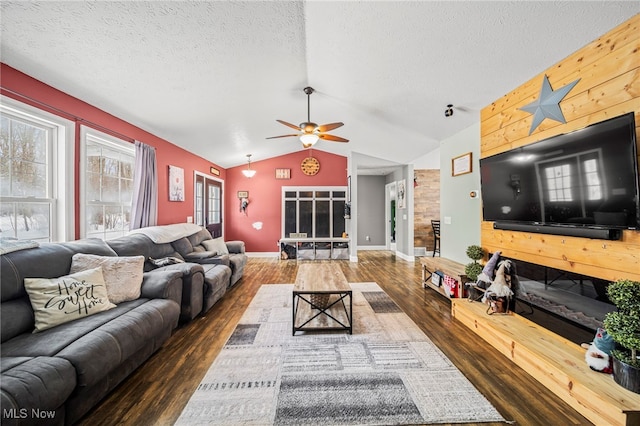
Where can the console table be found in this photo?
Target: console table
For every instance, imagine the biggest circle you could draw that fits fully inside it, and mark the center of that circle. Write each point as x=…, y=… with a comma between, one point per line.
x=448, y=267
x=317, y=248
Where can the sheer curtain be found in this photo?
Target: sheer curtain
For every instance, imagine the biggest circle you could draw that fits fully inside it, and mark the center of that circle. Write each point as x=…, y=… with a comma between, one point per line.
x=144, y=208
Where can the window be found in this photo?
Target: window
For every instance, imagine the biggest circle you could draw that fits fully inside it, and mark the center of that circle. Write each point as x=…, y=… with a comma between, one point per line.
x=593, y=180
x=317, y=212
x=576, y=172
x=106, y=184
x=559, y=182
x=36, y=176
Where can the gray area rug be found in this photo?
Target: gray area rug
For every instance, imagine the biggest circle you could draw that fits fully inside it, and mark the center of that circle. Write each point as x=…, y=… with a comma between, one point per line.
x=387, y=373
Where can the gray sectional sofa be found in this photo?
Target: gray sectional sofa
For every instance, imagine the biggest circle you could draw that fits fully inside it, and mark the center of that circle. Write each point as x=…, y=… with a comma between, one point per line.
x=55, y=376
x=204, y=283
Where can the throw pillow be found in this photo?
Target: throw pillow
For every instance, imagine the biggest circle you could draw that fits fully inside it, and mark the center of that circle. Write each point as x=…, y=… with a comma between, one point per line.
x=59, y=300
x=122, y=274
x=217, y=245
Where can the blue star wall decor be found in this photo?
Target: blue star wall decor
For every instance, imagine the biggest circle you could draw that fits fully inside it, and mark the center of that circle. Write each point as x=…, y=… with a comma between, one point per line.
x=548, y=103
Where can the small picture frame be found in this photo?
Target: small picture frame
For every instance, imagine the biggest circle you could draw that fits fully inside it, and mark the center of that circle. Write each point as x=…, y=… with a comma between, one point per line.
x=214, y=171
x=243, y=194
x=461, y=164
x=283, y=173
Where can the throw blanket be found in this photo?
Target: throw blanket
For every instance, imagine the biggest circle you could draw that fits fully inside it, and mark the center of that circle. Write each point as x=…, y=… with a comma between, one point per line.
x=7, y=244
x=168, y=233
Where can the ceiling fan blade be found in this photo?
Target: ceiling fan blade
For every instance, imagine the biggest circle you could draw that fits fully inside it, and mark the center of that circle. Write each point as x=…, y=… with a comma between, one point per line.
x=332, y=138
x=283, y=136
x=330, y=126
x=293, y=126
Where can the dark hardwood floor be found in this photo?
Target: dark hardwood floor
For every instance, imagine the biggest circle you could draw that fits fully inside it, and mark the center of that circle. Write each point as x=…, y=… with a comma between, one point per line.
x=156, y=393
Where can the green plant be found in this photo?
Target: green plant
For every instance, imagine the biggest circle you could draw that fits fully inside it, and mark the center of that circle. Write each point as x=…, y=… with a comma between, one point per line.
x=475, y=253
x=473, y=269
x=624, y=324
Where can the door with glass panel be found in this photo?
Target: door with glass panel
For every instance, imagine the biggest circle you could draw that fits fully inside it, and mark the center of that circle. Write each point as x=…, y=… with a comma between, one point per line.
x=208, y=208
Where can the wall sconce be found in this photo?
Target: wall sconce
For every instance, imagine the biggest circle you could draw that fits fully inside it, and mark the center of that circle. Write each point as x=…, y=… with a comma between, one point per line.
x=248, y=172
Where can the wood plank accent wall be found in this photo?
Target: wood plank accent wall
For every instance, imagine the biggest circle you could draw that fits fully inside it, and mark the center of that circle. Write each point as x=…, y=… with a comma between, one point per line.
x=426, y=199
x=609, y=86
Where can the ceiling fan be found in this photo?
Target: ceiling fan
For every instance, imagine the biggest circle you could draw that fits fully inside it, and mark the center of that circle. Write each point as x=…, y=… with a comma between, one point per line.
x=310, y=131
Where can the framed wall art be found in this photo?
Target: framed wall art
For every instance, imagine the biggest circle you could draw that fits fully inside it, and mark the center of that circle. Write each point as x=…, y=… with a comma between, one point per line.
x=176, y=183
x=461, y=165
x=401, y=194
x=283, y=173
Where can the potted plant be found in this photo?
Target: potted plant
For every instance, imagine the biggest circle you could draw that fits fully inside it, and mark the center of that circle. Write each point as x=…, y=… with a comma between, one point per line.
x=473, y=269
x=624, y=327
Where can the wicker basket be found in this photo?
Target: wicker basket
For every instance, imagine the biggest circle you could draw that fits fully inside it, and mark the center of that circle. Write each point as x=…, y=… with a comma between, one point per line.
x=320, y=300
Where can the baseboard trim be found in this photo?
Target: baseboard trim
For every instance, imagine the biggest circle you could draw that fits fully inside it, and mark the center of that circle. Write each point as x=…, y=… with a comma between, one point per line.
x=372, y=248
x=405, y=257
x=263, y=254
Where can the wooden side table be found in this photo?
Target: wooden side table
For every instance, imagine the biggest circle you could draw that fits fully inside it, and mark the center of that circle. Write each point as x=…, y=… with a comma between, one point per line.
x=448, y=267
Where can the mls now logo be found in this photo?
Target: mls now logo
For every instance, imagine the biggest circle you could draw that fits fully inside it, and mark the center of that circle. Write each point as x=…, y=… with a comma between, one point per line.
x=24, y=413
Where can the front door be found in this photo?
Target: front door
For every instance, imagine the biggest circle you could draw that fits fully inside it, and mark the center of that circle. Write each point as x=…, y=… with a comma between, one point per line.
x=209, y=204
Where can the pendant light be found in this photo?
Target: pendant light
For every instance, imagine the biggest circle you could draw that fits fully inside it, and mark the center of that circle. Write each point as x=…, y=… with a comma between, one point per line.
x=248, y=172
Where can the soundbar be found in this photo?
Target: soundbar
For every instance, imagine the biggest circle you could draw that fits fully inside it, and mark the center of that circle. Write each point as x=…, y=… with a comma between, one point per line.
x=599, y=233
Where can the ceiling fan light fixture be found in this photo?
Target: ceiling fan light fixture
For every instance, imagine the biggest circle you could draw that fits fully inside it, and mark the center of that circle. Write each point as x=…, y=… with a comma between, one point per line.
x=310, y=132
x=248, y=172
x=309, y=139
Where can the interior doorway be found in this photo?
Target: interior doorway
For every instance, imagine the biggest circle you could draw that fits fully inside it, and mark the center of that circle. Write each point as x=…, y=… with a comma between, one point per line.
x=390, y=215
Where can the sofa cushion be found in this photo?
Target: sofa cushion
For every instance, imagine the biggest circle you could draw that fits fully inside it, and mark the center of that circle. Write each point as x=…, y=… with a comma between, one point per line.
x=216, y=282
x=108, y=347
x=122, y=275
x=198, y=256
x=59, y=300
x=183, y=246
x=216, y=244
x=97, y=344
x=50, y=260
x=200, y=236
x=42, y=383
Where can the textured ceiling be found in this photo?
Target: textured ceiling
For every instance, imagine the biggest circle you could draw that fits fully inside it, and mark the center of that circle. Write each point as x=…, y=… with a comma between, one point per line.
x=213, y=77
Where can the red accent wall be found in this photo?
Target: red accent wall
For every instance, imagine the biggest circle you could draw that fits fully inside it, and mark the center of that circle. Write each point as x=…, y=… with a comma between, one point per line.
x=265, y=195
x=79, y=111
x=264, y=189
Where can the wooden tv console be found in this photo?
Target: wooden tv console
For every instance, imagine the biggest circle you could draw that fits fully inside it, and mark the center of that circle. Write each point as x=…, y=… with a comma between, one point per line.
x=555, y=362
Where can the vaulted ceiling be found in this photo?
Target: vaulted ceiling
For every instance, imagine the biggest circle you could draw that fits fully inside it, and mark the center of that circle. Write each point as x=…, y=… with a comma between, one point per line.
x=213, y=76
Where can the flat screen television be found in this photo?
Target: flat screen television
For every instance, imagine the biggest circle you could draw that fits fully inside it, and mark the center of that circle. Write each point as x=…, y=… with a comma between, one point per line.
x=584, y=179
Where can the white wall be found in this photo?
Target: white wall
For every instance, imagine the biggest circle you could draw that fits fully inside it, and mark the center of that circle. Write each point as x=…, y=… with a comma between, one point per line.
x=428, y=161
x=371, y=211
x=456, y=206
